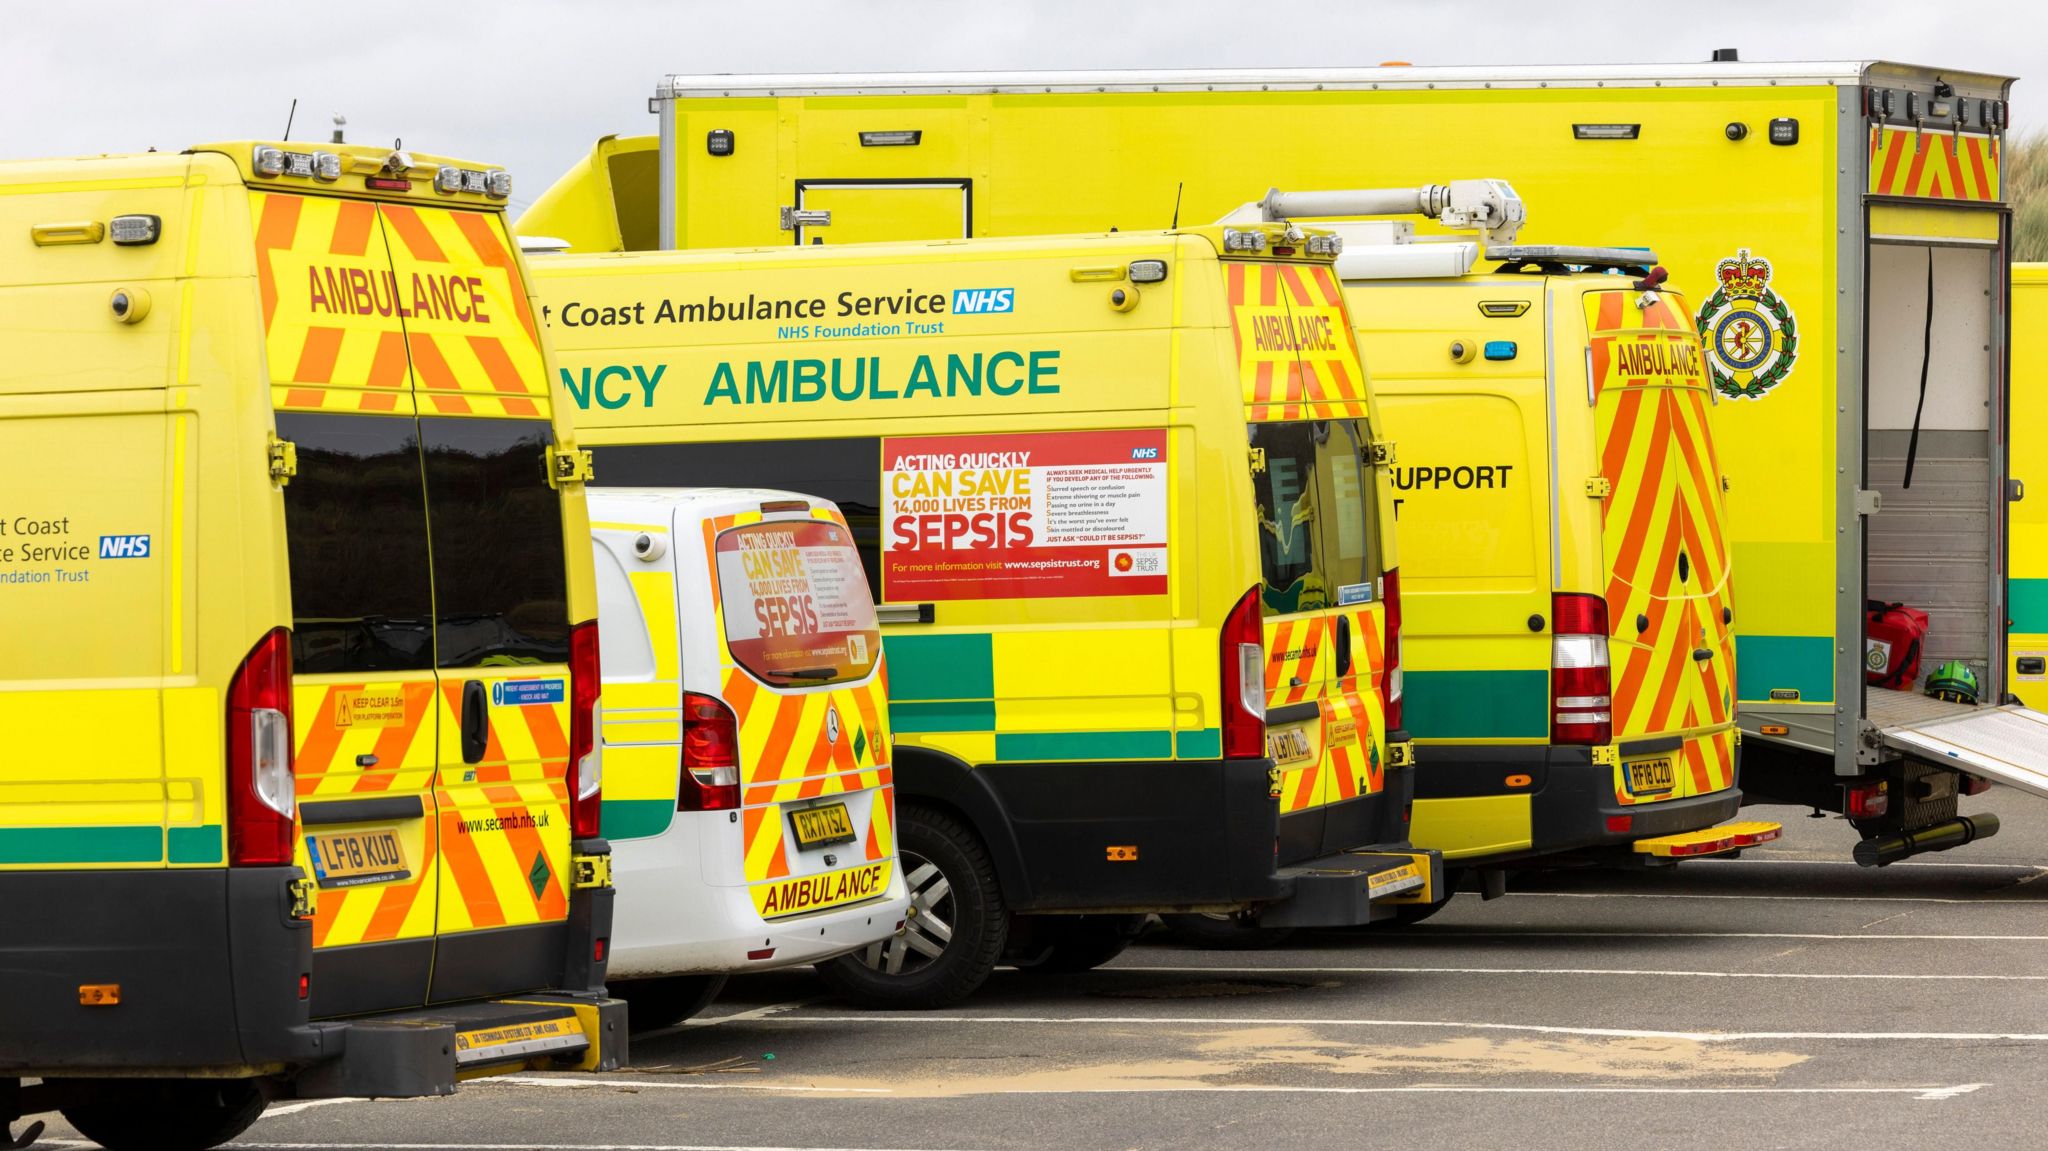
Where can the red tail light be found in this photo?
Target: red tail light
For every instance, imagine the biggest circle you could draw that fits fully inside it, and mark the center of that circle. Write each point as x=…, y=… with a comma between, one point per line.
x=1244, y=679
x=1390, y=683
x=1581, y=685
x=1867, y=800
x=586, y=758
x=262, y=793
x=710, y=779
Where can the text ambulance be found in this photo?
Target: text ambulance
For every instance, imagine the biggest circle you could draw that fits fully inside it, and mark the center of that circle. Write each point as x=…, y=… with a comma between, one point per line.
x=1842, y=226
x=301, y=673
x=1121, y=501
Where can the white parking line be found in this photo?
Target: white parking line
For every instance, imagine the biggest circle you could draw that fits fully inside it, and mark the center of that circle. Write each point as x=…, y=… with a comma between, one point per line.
x=734, y=1017
x=1928, y=864
x=1437, y=1024
x=1660, y=895
x=306, y=1104
x=540, y=1081
x=1914, y=976
x=518, y=1147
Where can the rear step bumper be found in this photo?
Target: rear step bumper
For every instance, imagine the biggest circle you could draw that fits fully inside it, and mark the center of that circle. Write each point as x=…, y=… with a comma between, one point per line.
x=1352, y=888
x=1709, y=841
x=426, y=1052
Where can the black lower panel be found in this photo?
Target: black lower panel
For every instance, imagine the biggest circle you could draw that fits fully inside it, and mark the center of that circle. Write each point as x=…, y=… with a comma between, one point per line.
x=1138, y=835
x=366, y=977
x=498, y=961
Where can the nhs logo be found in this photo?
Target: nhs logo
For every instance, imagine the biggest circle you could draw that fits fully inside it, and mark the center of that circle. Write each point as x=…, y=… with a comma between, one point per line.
x=124, y=547
x=1144, y=453
x=983, y=301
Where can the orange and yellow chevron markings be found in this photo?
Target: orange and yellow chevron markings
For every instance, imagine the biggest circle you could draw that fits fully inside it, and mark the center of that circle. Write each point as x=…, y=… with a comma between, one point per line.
x=1933, y=165
x=1297, y=356
x=367, y=305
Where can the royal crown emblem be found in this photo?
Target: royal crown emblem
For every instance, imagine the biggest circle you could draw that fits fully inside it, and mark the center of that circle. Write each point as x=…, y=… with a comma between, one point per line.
x=1750, y=336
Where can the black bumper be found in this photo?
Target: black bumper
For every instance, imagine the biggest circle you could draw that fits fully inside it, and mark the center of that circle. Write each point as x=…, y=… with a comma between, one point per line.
x=209, y=965
x=1571, y=798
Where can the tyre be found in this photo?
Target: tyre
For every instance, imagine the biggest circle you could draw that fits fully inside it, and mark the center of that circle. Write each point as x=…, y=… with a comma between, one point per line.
x=955, y=929
x=1068, y=944
x=163, y=1114
x=652, y=1004
x=1224, y=932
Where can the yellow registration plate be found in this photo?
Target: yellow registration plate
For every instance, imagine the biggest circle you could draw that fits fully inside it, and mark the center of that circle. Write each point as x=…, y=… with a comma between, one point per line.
x=1651, y=776
x=1288, y=745
x=353, y=858
x=818, y=826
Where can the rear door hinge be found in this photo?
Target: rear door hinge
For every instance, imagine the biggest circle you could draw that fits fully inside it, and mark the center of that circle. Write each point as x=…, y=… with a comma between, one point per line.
x=570, y=466
x=1599, y=487
x=305, y=895
x=1869, y=503
x=1382, y=453
x=589, y=871
x=797, y=219
x=284, y=460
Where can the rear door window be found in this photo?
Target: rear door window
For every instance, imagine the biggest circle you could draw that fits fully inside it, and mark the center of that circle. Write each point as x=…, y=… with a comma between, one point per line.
x=356, y=526
x=797, y=609
x=500, y=579
x=846, y=471
x=1317, y=520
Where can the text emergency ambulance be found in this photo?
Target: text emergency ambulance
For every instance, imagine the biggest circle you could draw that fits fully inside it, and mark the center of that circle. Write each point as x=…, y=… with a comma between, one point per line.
x=301, y=793
x=746, y=742
x=1843, y=226
x=1121, y=500
x=1588, y=622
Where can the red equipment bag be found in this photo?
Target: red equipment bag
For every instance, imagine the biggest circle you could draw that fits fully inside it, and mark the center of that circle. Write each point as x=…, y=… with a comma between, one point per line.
x=1891, y=644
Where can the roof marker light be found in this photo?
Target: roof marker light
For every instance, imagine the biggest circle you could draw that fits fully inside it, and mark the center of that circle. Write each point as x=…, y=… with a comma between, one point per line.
x=326, y=166
x=1325, y=245
x=498, y=182
x=1236, y=240
x=448, y=180
x=1606, y=131
x=1147, y=271
x=268, y=161
x=135, y=230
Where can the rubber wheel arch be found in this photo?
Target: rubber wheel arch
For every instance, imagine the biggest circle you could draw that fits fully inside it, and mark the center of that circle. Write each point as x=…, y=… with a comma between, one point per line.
x=980, y=922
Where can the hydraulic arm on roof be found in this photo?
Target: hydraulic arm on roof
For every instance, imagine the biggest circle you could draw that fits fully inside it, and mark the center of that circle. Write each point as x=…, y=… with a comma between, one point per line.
x=1488, y=206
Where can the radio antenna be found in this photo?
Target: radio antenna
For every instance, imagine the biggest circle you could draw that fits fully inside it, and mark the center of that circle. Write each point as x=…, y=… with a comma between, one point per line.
x=1177, y=190
x=289, y=117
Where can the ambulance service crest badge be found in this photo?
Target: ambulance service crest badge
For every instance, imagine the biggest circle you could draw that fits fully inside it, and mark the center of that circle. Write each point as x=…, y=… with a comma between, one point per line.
x=1750, y=337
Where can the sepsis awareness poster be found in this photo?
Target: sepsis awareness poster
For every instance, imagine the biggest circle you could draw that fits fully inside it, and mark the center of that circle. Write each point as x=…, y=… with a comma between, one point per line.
x=795, y=602
x=1024, y=516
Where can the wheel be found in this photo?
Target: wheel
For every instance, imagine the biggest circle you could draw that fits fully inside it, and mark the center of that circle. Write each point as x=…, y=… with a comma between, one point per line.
x=652, y=1004
x=955, y=928
x=1067, y=944
x=1224, y=932
x=163, y=1114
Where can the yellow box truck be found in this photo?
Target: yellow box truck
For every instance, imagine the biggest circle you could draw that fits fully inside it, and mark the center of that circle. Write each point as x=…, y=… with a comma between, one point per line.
x=300, y=668
x=1844, y=223
x=1123, y=502
x=2027, y=580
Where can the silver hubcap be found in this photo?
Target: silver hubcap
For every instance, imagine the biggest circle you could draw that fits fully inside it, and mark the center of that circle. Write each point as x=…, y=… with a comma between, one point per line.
x=928, y=927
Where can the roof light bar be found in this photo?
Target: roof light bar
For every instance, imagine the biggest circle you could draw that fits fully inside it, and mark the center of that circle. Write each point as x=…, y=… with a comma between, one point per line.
x=1237, y=240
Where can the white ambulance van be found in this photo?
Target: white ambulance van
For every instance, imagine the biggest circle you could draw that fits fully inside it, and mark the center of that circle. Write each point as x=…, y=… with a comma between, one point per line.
x=750, y=803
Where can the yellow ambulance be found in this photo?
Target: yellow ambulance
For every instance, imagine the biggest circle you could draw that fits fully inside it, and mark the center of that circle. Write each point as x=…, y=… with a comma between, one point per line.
x=1842, y=227
x=301, y=671
x=2026, y=606
x=1567, y=588
x=1122, y=501
x=748, y=794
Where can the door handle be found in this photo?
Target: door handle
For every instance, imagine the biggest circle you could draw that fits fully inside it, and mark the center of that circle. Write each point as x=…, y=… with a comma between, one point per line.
x=1343, y=645
x=904, y=613
x=476, y=720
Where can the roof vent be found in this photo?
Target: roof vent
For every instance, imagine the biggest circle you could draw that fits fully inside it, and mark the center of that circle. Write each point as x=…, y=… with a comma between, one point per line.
x=1726, y=56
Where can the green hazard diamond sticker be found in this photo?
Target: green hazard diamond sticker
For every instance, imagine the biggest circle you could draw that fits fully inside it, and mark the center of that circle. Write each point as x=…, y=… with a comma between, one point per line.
x=538, y=877
x=860, y=743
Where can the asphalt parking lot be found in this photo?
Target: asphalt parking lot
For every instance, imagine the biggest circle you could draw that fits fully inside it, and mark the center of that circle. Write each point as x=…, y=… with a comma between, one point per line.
x=1785, y=999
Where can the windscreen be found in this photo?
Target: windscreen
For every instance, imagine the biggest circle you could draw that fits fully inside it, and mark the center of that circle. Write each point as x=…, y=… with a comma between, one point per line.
x=796, y=604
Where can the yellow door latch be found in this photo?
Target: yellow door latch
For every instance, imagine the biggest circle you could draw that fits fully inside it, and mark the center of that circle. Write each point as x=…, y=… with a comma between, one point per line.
x=1382, y=453
x=1599, y=487
x=305, y=895
x=570, y=466
x=590, y=871
x=284, y=460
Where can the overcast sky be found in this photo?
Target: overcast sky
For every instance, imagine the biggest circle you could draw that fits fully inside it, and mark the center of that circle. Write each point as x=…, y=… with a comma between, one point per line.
x=530, y=84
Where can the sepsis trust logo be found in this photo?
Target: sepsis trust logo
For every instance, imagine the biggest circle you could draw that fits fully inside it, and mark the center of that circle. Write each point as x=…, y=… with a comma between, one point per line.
x=380, y=292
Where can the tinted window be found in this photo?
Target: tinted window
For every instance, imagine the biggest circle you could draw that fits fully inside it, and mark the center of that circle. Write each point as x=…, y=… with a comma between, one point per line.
x=356, y=538
x=796, y=609
x=500, y=580
x=1317, y=519
x=848, y=472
